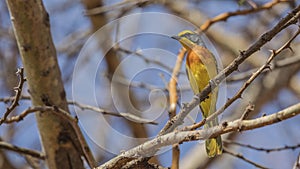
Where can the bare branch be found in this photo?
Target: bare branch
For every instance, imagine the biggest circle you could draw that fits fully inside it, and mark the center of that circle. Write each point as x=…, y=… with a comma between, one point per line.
x=225, y=16
x=267, y=150
x=120, y=114
x=9, y=99
x=238, y=95
x=173, y=102
x=143, y=85
x=149, y=148
x=136, y=84
x=173, y=83
x=267, y=36
x=81, y=106
x=137, y=53
x=240, y=156
x=276, y=65
x=248, y=109
x=31, y=25
x=16, y=98
x=102, y=9
x=23, y=151
x=61, y=113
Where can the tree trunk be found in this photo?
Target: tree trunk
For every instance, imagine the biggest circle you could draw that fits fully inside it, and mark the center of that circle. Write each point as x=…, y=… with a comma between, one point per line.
x=32, y=31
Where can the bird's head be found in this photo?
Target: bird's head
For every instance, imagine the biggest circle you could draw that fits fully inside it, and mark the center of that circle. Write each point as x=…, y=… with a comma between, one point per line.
x=188, y=39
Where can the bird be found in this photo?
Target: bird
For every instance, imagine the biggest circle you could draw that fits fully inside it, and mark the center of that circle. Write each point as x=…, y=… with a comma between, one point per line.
x=201, y=67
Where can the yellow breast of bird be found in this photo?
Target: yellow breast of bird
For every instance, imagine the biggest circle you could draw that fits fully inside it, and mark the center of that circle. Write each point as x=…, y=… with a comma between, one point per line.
x=201, y=67
x=196, y=69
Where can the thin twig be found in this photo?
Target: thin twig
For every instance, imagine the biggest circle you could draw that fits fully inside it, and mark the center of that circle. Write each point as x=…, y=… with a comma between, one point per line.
x=267, y=150
x=120, y=114
x=18, y=90
x=157, y=62
x=194, y=126
x=225, y=16
x=248, y=109
x=23, y=151
x=276, y=65
x=81, y=106
x=136, y=84
x=9, y=99
x=102, y=9
x=23, y=114
x=240, y=156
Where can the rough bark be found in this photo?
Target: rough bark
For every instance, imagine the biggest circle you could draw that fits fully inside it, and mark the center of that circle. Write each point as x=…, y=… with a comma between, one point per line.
x=32, y=31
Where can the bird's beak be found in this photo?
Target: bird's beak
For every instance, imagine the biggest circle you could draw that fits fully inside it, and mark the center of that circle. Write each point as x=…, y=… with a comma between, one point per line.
x=176, y=37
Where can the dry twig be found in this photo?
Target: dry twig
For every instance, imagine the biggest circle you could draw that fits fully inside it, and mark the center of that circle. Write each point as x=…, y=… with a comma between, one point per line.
x=16, y=98
x=276, y=65
x=120, y=114
x=267, y=150
x=240, y=156
x=225, y=16
x=81, y=106
x=23, y=151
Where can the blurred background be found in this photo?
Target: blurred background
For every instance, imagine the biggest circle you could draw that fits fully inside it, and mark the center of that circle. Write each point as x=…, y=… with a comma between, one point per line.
x=125, y=67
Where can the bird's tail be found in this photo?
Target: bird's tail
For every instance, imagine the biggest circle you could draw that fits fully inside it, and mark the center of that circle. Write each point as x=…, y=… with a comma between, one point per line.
x=213, y=145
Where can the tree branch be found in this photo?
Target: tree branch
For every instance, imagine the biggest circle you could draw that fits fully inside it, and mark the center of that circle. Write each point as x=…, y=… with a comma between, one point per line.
x=238, y=95
x=245, y=86
x=267, y=150
x=64, y=115
x=225, y=16
x=81, y=106
x=119, y=114
x=173, y=102
x=276, y=65
x=23, y=151
x=149, y=148
x=16, y=98
x=31, y=25
x=240, y=156
x=291, y=18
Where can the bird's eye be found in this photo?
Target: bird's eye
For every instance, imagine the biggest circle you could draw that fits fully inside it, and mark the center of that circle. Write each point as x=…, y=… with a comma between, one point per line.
x=193, y=38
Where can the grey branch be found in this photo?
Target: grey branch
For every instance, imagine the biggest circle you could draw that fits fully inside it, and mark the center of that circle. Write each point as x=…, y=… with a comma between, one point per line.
x=149, y=148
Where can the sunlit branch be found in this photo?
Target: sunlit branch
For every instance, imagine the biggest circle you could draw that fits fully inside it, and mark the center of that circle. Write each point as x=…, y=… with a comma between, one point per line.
x=149, y=148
